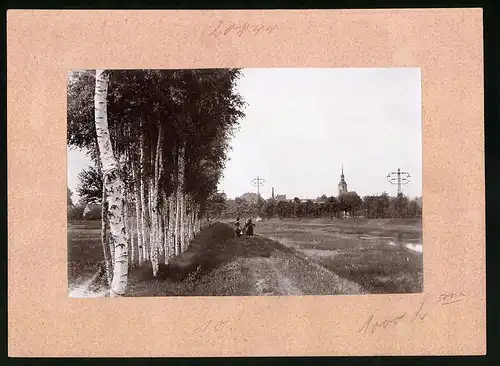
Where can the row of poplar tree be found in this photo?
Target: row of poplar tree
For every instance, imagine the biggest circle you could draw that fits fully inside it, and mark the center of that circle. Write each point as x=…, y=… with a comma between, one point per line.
x=159, y=140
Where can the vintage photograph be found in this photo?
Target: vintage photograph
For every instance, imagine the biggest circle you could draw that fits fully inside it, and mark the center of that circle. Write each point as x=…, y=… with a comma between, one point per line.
x=244, y=182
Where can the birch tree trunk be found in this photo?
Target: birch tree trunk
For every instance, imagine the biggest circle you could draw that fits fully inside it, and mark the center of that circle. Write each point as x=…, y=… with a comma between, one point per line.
x=133, y=242
x=191, y=225
x=187, y=208
x=138, y=217
x=156, y=194
x=196, y=217
x=161, y=236
x=163, y=226
x=195, y=214
x=111, y=242
x=144, y=209
x=154, y=228
x=165, y=239
x=191, y=222
x=181, y=200
x=177, y=238
x=105, y=247
x=127, y=210
x=171, y=226
x=114, y=186
x=198, y=221
x=127, y=227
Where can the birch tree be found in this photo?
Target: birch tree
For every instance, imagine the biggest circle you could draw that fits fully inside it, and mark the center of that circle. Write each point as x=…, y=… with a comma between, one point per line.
x=169, y=178
x=113, y=185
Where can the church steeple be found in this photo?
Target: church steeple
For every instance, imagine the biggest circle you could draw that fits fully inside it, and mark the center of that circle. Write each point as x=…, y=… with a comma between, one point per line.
x=342, y=183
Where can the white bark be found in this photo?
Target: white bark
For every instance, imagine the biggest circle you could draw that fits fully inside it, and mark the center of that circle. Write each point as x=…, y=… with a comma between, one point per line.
x=198, y=221
x=194, y=221
x=138, y=217
x=125, y=209
x=133, y=258
x=163, y=226
x=105, y=246
x=128, y=208
x=188, y=220
x=178, y=195
x=156, y=197
x=154, y=228
x=171, y=227
x=144, y=209
x=181, y=199
x=165, y=239
x=114, y=186
x=189, y=228
x=127, y=227
x=191, y=225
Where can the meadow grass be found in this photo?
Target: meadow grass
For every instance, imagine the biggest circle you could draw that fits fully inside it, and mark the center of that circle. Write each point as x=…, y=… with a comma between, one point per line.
x=369, y=252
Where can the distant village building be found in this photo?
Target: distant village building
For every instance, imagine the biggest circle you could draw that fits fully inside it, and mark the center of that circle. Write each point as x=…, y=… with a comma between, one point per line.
x=250, y=197
x=281, y=197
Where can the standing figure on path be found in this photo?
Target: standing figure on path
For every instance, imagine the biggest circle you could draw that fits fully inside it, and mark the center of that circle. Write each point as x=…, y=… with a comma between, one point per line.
x=238, y=227
x=249, y=227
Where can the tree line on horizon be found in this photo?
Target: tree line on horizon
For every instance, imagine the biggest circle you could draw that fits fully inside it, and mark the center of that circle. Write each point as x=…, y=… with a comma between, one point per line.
x=158, y=140
x=371, y=206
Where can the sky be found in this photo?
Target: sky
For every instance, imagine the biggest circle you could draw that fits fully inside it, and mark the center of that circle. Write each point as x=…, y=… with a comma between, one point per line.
x=303, y=124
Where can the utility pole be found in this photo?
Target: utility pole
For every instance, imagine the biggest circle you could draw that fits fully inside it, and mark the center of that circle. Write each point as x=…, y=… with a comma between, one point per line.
x=258, y=182
x=400, y=178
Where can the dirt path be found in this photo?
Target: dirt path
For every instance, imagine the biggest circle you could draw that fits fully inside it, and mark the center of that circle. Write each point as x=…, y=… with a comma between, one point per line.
x=257, y=266
x=218, y=264
x=291, y=273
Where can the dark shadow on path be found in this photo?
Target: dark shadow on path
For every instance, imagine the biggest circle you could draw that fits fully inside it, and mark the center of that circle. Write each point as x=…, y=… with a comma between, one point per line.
x=213, y=247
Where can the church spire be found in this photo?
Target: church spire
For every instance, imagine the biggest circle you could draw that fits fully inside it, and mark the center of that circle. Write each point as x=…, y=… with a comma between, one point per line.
x=342, y=184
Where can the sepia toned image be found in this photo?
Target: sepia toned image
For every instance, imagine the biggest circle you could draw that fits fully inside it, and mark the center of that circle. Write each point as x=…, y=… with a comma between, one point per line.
x=208, y=182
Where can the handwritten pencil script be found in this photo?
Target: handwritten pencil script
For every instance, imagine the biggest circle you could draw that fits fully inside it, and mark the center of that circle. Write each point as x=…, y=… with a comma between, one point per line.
x=225, y=28
x=371, y=324
x=211, y=326
x=451, y=297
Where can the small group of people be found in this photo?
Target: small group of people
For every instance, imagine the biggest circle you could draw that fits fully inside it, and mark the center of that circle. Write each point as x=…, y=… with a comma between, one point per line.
x=247, y=228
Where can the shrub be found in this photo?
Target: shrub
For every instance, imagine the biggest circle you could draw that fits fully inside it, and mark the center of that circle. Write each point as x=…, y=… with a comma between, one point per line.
x=75, y=213
x=93, y=214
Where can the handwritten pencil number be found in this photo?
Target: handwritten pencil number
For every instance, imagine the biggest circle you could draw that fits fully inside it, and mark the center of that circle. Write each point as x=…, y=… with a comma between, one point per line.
x=208, y=326
x=203, y=327
x=451, y=297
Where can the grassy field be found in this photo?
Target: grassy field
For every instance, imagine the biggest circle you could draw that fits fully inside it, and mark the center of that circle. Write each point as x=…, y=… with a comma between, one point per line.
x=382, y=255
x=84, y=250
x=373, y=254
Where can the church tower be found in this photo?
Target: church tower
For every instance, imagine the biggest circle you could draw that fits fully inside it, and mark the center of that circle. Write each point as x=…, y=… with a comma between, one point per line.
x=342, y=183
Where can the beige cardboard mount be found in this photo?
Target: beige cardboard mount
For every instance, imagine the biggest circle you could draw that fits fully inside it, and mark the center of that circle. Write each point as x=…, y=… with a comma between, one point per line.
x=446, y=44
